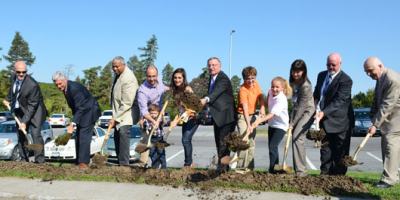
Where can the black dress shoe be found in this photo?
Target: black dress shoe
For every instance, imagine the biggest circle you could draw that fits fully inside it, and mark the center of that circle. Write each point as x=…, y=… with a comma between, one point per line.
x=382, y=185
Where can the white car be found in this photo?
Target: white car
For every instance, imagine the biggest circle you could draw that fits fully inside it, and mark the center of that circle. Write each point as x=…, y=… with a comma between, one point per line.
x=104, y=118
x=67, y=152
x=134, y=138
x=9, y=139
x=58, y=120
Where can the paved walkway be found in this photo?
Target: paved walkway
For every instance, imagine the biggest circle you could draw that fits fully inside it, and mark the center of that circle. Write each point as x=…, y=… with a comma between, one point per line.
x=18, y=189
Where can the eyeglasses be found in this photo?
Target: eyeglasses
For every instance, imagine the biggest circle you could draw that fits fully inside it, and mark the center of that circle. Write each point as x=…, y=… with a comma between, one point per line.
x=20, y=72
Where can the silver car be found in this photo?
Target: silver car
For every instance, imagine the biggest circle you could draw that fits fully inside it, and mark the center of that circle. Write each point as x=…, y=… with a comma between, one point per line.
x=9, y=139
x=134, y=139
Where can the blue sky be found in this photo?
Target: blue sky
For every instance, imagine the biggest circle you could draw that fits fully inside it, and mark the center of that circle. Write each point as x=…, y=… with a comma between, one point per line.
x=269, y=35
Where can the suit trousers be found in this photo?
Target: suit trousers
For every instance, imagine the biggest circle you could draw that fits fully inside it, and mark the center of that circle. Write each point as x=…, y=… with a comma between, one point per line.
x=36, y=137
x=82, y=143
x=391, y=155
x=122, y=143
x=246, y=157
x=299, y=137
x=220, y=132
x=335, y=147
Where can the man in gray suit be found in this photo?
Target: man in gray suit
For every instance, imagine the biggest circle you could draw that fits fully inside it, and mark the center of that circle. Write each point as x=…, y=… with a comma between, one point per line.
x=386, y=116
x=122, y=97
x=27, y=104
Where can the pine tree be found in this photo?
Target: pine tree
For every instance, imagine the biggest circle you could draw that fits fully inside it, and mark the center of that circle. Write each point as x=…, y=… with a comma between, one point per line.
x=235, y=81
x=138, y=68
x=19, y=51
x=149, y=52
x=200, y=84
x=167, y=74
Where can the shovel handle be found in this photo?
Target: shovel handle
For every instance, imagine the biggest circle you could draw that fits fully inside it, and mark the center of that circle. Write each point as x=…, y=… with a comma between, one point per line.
x=15, y=117
x=157, y=120
x=361, y=145
x=106, y=137
x=285, y=153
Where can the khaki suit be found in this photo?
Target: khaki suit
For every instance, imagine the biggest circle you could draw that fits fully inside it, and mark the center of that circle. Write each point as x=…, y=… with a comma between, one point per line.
x=122, y=98
x=386, y=110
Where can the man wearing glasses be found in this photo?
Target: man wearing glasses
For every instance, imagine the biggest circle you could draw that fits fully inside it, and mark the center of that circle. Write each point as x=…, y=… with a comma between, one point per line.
x=27, y=103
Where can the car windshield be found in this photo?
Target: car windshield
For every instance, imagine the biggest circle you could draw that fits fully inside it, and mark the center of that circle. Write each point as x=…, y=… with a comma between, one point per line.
x=107, y=113
x=8, y=128
x=361, y=114
x=3, y=114
x=57, y=116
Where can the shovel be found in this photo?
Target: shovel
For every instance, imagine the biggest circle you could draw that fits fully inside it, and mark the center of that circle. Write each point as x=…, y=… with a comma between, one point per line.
x=141, y=147
x=352, y=160
x=284, y=168
x=100, y=159
x=30, y=146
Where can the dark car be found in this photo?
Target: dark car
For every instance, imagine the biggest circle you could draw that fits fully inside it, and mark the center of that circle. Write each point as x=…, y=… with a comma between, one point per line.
x=363, y=122
x=5, y=116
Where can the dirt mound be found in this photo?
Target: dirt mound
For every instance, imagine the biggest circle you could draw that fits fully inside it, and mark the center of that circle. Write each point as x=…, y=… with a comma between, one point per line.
x=202, y=182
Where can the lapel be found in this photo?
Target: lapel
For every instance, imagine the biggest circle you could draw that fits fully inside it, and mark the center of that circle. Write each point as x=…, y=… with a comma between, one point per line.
x=332, y=87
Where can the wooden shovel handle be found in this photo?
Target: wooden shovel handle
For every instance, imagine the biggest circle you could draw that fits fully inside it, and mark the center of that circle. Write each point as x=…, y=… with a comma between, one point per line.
x=15, y=117
x=289, y=137
x=157, y=120
x=106, y=137
x=361, y=145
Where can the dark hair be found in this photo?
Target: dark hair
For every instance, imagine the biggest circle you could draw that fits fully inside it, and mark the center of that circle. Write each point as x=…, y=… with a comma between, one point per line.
x=178, y=89
x=153, y=107
x=298, y=65
x=249, y=71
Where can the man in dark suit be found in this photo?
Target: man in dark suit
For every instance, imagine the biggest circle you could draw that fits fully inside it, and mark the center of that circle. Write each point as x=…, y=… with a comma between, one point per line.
x=85, y=110
x=27, y=104
x=222, y=107
x=332, y=95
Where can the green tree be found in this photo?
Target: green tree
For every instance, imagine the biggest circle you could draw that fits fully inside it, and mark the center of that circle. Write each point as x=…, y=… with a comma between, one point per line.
x=4, y=86
x=19, y=50
x=167, y=74
x=138, y=68
x=149, y=54
x=200, y=83
x=363, y=99
x=235, y=81
x=91, y=79
x=105, y=85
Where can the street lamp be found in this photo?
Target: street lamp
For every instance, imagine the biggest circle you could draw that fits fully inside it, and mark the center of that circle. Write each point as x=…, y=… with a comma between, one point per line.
x=230, y=53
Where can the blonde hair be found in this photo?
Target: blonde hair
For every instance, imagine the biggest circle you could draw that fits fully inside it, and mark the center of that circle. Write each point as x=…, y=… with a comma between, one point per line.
x=287, y=90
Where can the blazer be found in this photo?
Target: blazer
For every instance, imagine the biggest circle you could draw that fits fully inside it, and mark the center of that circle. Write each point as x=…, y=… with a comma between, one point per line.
x=123, y=96
x=84, y=106
x=30, y=101
x=221, y=101
x=337, y=107
x=386, y=105
x=304, y=104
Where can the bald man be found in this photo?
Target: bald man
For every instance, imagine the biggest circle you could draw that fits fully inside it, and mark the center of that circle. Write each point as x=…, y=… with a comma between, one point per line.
x=386, y=116
x=27, y=104
x=332, y=95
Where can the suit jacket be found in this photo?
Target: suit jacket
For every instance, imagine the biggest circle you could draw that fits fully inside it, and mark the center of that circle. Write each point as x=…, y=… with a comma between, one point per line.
x=386, y=106
x=30, y=101
x=123, y=96
x=222, y=104
x=337, y=108
x=304, y=104
x=84, y=106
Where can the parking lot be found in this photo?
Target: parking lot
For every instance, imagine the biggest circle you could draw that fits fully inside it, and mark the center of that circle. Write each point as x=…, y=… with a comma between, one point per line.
x=204, y=148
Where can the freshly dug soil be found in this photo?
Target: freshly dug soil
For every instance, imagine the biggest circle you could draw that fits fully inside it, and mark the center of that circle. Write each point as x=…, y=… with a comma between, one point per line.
x=202, y=182
x=235, y=142
x=349, y=161
x=189, y=100
x=100, y=160
x=161, y=144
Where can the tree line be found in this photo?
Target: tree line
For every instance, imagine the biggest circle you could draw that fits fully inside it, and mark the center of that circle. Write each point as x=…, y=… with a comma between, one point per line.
x=98, y=79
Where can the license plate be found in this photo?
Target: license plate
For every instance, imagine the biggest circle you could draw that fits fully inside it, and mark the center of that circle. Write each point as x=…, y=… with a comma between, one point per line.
x=55, y=154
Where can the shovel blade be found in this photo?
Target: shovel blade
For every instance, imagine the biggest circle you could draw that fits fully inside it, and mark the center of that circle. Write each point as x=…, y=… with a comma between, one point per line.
x=283, y=169
x=140, y=148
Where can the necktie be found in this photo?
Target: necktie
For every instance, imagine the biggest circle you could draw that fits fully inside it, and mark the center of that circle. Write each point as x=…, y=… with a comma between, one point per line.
x=212, y=83
x=15, y=103
x=326, y=84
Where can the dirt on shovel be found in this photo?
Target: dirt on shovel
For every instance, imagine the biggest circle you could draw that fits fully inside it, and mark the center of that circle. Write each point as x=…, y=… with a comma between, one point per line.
x=100, y=160
x=63, y=139
x=317, y=135
x=348, y=161
x=234, y=142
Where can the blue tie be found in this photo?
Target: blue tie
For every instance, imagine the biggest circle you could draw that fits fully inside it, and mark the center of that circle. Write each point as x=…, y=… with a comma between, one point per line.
x=326, y=84
x=211, y=85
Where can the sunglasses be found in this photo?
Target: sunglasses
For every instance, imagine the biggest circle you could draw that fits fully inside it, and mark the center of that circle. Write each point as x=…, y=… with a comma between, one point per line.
x=20, y=72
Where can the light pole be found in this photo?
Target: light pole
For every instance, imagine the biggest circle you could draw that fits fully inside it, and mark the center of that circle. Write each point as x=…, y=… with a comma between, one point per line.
x=230, y=53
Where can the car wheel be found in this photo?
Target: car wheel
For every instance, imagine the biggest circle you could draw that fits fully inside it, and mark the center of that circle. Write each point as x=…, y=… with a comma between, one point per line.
x=15, y=156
